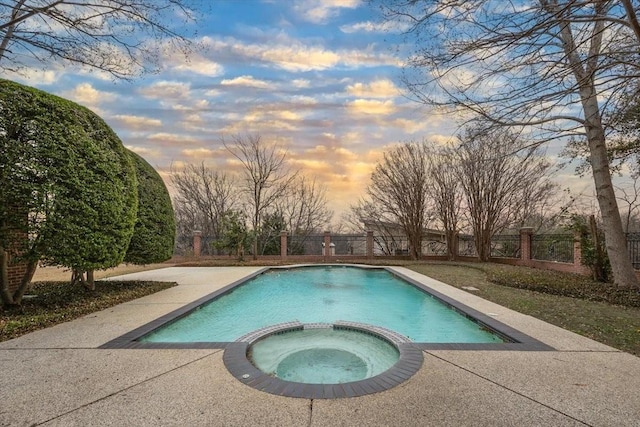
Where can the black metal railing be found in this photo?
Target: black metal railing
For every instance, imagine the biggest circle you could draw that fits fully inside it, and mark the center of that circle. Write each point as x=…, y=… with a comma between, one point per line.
x=505, y=246
x=552, y=247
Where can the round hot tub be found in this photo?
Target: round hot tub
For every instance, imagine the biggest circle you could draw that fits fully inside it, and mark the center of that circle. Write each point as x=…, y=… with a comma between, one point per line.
x=323, y=360
x=323, y=355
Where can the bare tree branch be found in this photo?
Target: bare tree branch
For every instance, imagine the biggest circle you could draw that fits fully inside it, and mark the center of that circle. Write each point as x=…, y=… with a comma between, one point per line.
x=121, y=37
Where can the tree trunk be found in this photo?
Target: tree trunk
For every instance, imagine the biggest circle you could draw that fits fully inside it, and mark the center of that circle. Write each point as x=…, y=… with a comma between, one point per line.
x=452, y=252
x=77, y=277
x=616, y=242
x=7, y=298
x=584, y=71
x=25, y=282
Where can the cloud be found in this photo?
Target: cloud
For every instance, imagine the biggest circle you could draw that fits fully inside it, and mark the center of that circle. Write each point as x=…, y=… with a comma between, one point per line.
x=301, y=83
x=165, y=139
x=136, y=122
x=247, y=81
x=166, y=90
x=198, y=153
x=371, y=106
x=28, y=75
x=144, y=151
x=410, y=126
x=295, y=55
x=383, y=88
x=87, y=95
x=200, y=66
x=375, y=27
x=320, y=11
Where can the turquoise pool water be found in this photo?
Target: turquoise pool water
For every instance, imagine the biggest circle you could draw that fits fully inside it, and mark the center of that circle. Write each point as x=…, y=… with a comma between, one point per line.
x=324, y=294
x=323, y=356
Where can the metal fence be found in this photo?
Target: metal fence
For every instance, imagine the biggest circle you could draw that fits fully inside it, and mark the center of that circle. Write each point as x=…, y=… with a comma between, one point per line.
x=431, y=247
x=467, y=246
x=505, y=246
x=633, y=246
x=552, y=247
x=305, y=244
x=349, y=244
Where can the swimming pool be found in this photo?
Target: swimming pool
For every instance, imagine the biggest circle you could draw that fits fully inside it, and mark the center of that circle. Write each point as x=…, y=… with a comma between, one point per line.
x=512, y=338
x=379, y=301
x=325, y=294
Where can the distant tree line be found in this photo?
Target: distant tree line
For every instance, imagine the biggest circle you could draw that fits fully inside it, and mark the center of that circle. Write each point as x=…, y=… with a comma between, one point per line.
x=245, y=213
x=485, y=182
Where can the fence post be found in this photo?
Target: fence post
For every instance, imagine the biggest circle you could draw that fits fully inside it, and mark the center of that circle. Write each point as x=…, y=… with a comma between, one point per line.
x=283, y=244
x=197, y=243
x=327, y=242
x=525, y=244
x=577, y=250
x=369, y=243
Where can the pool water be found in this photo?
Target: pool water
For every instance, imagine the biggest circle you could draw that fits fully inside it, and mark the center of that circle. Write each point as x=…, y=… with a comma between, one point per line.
x=323, y=356
x=324, y=294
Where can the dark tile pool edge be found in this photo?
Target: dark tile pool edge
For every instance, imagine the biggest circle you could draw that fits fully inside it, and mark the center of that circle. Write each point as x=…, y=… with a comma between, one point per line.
x=236, y=362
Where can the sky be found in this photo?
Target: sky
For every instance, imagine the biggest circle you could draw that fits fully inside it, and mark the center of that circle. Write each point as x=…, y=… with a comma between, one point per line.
x=321, y=78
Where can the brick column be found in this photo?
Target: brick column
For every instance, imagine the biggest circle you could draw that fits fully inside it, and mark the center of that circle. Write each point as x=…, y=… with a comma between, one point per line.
x=525, y=244
x=369, y=243
x=197, y=243
x=577, y=250
x=283, y=244
x=327, y=242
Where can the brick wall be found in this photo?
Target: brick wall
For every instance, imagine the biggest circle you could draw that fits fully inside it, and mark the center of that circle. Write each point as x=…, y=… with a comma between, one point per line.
x=16, y=272
x=17, y=238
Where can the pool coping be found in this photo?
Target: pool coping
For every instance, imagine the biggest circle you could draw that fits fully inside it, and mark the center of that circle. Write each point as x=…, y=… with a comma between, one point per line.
x=515, y=340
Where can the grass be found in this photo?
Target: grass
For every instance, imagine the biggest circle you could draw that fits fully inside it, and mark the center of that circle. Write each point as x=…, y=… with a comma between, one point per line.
x=592, y=309
x=50, y=303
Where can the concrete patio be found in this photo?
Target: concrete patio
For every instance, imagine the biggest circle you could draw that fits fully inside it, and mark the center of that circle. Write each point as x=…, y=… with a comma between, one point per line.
x=59, y=376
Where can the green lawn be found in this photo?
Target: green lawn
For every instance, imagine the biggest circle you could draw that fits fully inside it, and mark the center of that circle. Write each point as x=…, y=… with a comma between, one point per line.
x=586, y=313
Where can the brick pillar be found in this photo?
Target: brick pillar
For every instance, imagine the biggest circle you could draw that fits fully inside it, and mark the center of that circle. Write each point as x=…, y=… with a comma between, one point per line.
x=197, y=243
x=18, y=241
x=525, y=244
x=577, y=250
x=283, y=244
x=327, y=243
x=369, y=243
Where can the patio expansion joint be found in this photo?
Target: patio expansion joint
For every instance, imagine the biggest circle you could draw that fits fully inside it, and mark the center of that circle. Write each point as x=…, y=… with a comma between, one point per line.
x=115, y=393
x=508, y=389
x=310, y=421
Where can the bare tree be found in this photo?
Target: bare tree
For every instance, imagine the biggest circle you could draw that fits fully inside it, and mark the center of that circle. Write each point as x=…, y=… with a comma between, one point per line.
x=265, y=176
x=544, y=64
x=304, y=207
x=399, y=189
x=103, y=35
x=203, y=198
x=446, y=193
x=499, y=186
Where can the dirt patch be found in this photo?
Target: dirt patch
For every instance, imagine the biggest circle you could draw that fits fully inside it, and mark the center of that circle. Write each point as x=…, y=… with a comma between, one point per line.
x=55, y=274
